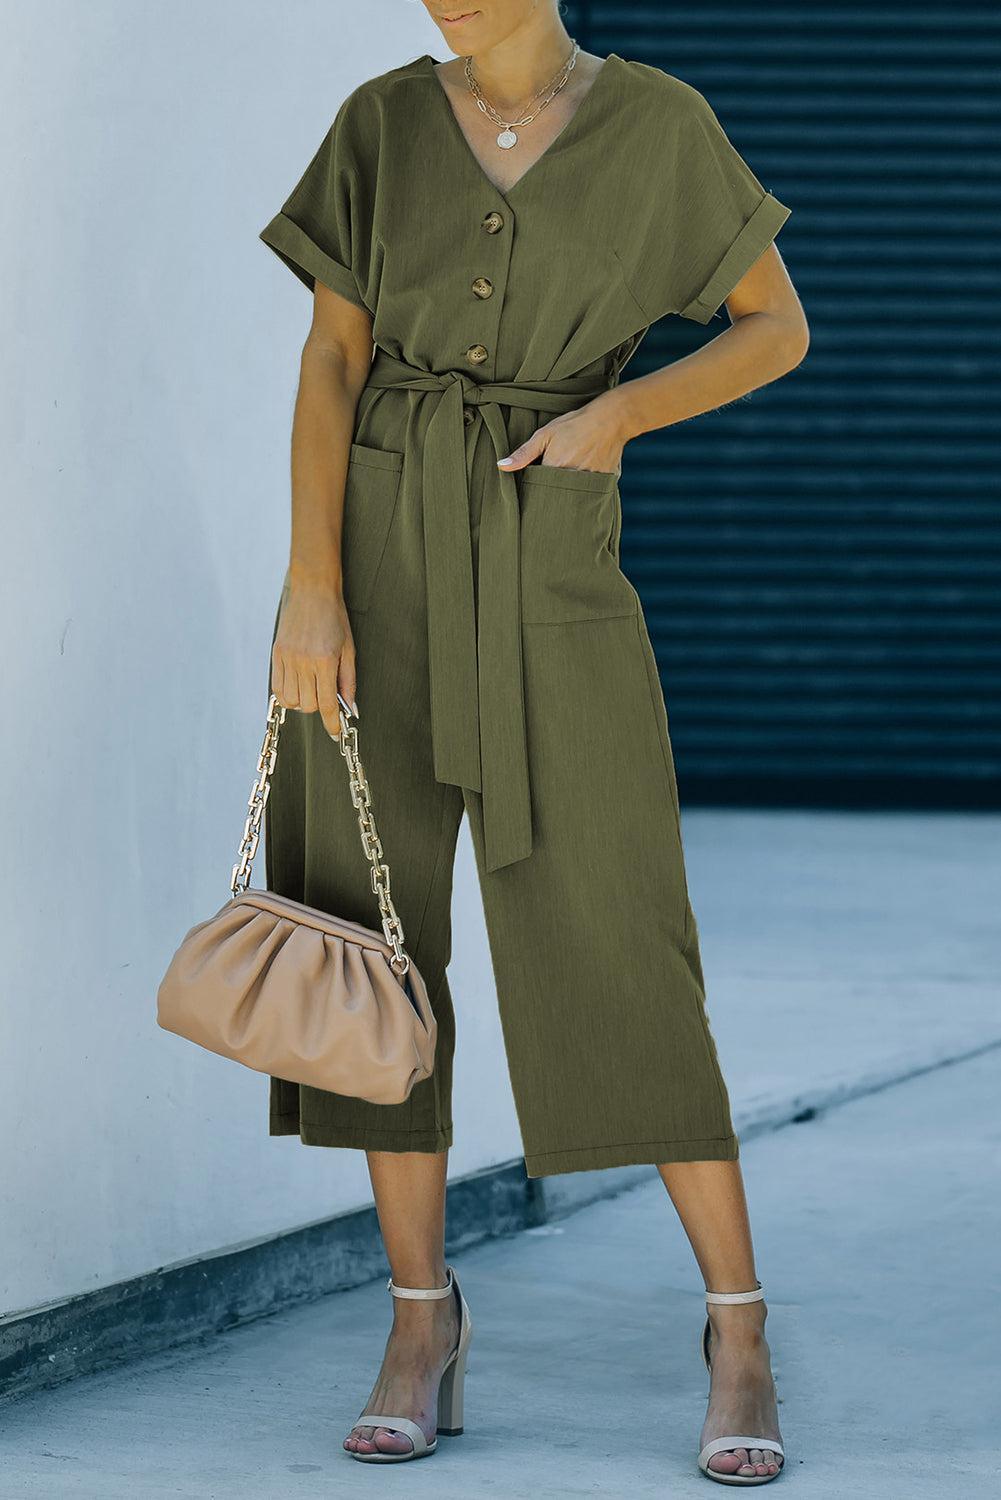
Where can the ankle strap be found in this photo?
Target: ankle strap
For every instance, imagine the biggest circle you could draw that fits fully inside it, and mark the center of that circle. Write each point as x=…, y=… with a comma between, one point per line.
x=756, y=1296
x=424, y=1293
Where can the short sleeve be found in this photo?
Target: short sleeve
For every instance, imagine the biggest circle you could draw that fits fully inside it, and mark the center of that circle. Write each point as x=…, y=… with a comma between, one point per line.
x=319, y=231
x=713, y=221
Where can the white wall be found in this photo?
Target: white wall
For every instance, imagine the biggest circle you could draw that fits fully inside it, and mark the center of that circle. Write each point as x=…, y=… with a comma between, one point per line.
x=151, y=345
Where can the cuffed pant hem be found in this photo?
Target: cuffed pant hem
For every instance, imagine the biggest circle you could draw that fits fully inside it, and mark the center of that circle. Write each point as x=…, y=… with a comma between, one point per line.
x=631, y=1153
x=363, y=1140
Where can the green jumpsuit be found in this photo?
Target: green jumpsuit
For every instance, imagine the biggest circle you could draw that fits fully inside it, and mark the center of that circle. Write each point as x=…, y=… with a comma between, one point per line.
x=504, y=666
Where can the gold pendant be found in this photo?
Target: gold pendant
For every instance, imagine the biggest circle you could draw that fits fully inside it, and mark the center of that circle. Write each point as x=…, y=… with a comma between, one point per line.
x=507, y=139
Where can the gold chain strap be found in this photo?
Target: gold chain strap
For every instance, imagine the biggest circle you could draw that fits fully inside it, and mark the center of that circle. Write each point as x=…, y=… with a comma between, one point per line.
x=361, y=799
x=259, y=793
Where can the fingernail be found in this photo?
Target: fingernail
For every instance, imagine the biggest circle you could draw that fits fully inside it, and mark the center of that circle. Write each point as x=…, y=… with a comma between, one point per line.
x=354, y=708
x=505, y=460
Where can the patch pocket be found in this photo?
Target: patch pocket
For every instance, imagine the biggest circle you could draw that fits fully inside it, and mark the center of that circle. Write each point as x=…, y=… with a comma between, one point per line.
x=571, y=520
x=370, y=494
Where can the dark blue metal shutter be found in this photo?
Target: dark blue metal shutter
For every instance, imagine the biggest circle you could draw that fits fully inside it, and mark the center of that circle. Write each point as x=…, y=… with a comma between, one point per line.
x=820, y=563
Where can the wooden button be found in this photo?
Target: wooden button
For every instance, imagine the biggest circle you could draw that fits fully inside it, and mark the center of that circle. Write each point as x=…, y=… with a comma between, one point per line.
x=483, y=287
x=477, y=353
x=492, y=222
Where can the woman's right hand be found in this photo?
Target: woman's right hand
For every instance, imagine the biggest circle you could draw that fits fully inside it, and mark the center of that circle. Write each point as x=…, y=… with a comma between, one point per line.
x=313, y=656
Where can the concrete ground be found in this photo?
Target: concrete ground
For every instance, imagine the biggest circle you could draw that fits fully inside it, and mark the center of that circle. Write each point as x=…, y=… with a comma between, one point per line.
x=843, y=950
x=876, y=1226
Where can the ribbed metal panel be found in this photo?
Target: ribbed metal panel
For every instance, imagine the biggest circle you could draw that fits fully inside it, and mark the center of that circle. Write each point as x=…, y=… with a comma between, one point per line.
x=820, y=563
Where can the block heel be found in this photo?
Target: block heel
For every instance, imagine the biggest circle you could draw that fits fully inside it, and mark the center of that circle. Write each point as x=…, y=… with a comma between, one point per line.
x=451, y=1393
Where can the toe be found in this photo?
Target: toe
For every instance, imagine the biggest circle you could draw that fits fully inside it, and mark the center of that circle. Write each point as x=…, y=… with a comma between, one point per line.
x=747, y=1469
x=388, y=1440
x=359, y=1440
x=726, y=1461
x=764, y=1460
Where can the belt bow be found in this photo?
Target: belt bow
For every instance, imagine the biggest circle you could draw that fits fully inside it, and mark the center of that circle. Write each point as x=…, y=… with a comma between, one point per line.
x=477, y=690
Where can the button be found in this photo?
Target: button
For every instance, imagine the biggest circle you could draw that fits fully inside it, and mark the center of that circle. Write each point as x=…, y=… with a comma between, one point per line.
x=469, y=415
x=477, y=353
x=492, y=222
x=483, y=287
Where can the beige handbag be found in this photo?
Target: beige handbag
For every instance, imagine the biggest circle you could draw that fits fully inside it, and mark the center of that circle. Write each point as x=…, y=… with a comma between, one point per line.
x=292, y=991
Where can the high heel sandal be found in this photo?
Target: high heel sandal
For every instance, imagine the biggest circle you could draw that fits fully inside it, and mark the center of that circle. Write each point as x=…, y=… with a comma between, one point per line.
x=724, y=1444
x=450, y=1388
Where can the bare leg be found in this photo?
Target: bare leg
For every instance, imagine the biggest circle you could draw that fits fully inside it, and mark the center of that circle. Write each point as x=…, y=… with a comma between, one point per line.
x=709, y=1197
x=409, y=1189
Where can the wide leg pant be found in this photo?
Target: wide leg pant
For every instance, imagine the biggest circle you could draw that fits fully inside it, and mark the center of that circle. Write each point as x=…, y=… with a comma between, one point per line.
x=593, y=941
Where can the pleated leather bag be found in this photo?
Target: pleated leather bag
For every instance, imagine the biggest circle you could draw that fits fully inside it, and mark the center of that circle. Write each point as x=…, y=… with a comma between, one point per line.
x=295, y=992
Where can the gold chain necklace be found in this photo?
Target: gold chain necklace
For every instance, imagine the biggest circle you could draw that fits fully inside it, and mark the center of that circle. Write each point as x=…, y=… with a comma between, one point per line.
x=507, y=136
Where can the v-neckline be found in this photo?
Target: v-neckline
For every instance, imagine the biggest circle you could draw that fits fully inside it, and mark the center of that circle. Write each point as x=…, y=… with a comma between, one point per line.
x=558, y=139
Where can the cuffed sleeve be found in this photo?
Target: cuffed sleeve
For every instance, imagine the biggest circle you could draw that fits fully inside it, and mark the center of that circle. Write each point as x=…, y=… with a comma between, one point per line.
x=750, y=241
x=320, y=230
x=711, y=218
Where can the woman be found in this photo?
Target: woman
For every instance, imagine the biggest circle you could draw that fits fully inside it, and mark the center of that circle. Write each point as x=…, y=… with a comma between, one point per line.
x=505, y=226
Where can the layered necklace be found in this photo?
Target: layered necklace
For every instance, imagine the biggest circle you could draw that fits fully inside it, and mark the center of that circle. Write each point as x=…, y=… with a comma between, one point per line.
x=507, y=136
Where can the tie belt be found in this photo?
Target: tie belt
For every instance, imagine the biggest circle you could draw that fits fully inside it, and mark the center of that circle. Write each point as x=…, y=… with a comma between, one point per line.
x=476, y=673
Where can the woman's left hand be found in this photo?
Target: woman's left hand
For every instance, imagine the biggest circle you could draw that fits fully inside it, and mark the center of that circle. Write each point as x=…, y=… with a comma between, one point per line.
x=589, y=437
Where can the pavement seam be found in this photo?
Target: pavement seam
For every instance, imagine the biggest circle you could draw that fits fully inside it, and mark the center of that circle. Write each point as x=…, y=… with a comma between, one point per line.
x=802, y=1107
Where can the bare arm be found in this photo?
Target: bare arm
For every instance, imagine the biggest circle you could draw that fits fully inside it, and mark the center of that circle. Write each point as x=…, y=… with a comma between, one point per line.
x=314, y=656
x=768, y=337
